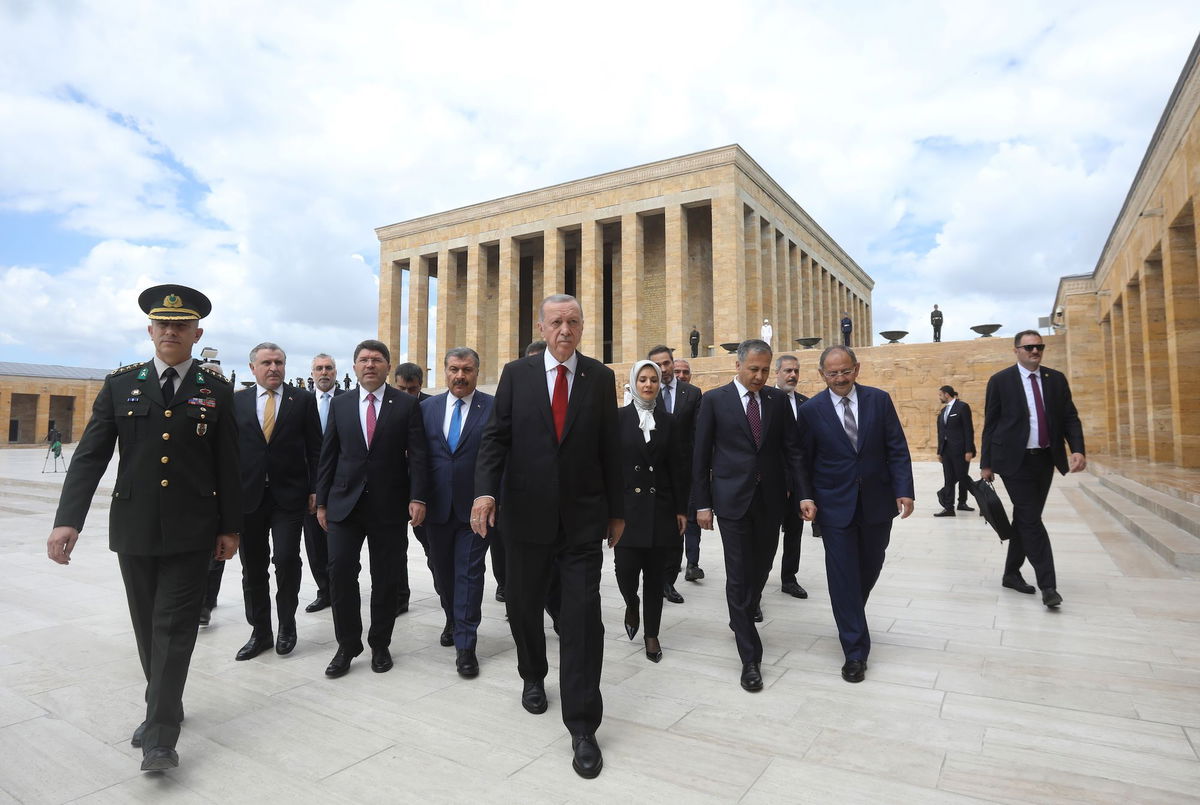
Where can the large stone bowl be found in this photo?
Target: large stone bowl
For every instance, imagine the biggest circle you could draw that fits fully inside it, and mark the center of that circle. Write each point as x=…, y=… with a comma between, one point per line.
x=731, y=346
x=808, y=343
x=894, y=336
x=986, y=330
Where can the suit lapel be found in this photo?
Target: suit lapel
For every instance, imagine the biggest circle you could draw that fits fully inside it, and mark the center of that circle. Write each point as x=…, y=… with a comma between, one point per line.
x=537, y=376
x=738, y=412
x=866, y=413
x=286, y=399
x=765, y=413
x=583, y=381
x=473, y=419
x=833, y=418
x=386, y=400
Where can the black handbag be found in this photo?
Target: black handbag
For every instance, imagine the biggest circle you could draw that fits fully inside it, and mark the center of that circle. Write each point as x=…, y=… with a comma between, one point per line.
x=991, y=508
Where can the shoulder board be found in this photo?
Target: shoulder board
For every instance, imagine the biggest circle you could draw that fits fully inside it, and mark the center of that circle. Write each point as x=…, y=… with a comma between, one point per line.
x=123, y=369
x=215, y=374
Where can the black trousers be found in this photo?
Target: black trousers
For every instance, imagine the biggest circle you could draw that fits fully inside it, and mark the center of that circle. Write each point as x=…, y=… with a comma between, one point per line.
x=793, y=528
x=495, y=543
x=388, y=546
x=271, y=523
x=937, y=332
x=691, y=541
x=164, y=595
x=581, y=640
x=405, y=591
x=854, y=558
x=749, y=543
x=212, y=588
x=645, y=565
x=1027, y=489
x=316, y=545
x=955, y=470
x=674, y=556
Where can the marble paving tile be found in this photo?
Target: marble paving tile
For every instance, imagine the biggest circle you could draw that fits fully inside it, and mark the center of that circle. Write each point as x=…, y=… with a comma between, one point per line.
x=1056, y=690
x=15, y=708
x=894, y=760
x=50, y=760
x=807, y=782
x=144, y=788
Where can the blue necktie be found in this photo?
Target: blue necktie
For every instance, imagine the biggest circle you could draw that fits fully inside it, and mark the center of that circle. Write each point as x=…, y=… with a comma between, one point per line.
x=455, y=425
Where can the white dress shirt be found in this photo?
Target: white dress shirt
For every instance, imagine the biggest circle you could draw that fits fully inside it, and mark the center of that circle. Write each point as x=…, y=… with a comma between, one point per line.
x=840, y=409
x=946, y=410
x=362, y=408
x=551, y=364
x=742, y=392
x=466, y=407
x=160, y=366
x=1032, y=442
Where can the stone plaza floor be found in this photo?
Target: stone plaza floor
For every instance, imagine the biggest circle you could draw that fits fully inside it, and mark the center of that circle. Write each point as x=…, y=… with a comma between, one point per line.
x=974, y=693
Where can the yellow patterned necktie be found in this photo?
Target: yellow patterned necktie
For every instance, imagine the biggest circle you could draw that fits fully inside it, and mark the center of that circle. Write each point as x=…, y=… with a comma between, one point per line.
x=269, y=416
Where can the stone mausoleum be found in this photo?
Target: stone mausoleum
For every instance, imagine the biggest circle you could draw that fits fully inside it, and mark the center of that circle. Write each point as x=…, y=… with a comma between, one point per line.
x=708, y=239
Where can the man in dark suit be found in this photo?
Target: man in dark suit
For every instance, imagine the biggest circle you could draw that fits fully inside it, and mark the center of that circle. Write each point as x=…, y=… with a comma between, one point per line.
x=409, y=378
x=955, y=449
x=279, y=441
x=847, y=328
x=862, y=478
x=681, y=400
x=694, y=341
x=454, y=422
x=551, y=454
x=787, y=376
x=747, y=463
x=1028, y=416
x=935, y=318
x=316, y=543
x=372, y=479
x=691, y=532
x=176, y=501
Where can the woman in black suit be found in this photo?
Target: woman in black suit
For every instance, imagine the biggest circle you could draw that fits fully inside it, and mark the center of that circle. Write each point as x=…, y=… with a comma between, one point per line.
x=655, y=508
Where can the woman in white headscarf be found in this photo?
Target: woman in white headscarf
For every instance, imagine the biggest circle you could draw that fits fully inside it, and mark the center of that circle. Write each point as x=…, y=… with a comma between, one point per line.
x=655, y=503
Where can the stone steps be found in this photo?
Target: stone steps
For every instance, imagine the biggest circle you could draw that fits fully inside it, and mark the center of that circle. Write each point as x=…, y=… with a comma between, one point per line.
x=1166, y=524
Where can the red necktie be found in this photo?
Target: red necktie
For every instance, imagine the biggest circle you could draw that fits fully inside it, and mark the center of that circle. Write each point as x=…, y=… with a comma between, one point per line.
x=370, y=418
x=1043, y=436
x=558, y=405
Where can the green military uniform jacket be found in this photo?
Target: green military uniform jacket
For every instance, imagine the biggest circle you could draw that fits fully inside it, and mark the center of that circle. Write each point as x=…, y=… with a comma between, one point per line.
x=177, y=483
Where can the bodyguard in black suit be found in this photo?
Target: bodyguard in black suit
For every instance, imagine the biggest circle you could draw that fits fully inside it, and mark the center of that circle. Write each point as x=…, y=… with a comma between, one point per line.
x=955, y=449
x=454, y=422
x=551, y=454
x=316, y=542
x=681, y=400
x=409, y=379
x=372, y=479
x=747, y=463
x=787, y=376
x=1029, y=421
x=176, y=501
x=279, y=441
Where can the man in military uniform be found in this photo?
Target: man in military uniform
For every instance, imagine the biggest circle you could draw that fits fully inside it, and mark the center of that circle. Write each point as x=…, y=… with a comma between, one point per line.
x=177, y=499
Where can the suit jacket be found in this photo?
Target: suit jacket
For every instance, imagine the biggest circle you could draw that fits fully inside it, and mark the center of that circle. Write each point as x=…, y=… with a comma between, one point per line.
x=177, y=484
x=452, y=474
x=847, y=325
x=390, y=473
x=684, y=408
x=653, y=473
x=290, y=459
x=956, y=435
x=1006, y=419
x=844, y=478
x=727, y=467
x=541, y=482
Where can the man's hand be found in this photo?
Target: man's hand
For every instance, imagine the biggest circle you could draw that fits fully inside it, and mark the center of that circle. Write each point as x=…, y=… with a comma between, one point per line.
x=1077, y=462
x=704, y=519
x=483, y=515
x=970, y=457
x=61, y=543
x=681, y=521
x=616, y=527
x=985, y=474
x=312, y=503
x=904, y=506
x=416, y=512
x=808, y=510
x=227, y=546
x=322, y=520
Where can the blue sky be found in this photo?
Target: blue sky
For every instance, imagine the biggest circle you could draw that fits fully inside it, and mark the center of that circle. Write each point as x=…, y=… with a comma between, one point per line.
x=966, y=154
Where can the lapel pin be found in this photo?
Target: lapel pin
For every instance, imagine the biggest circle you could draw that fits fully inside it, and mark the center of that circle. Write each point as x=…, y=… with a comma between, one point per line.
x=136, y=392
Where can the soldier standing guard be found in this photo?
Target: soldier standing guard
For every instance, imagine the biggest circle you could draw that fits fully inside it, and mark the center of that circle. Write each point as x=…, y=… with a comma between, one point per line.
x=177, y=499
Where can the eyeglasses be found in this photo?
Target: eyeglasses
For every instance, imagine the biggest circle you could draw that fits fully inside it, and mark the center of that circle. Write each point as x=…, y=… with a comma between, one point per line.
x=842, y=373
x=1032, y=347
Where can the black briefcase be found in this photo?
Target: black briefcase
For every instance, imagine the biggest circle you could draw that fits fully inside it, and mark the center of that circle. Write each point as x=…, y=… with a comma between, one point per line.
x=991, y=508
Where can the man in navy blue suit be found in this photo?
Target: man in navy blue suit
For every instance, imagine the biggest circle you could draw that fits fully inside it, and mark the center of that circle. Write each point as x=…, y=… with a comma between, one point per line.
x=747, y=463
x=862, y=478
x=454, y=421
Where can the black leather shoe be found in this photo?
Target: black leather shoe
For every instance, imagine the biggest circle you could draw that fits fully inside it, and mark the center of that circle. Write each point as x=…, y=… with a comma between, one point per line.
x=286, y=641
x=587, y=761
x=758, y=618
x=854, y=670
x=381, y=660
x=794, y=589
x=318, y=603
x=963, y=507
x=446, y=638
x=136, y=740
x=340, y=664
x=632, y=620
x=653, y=649
x=751, y=677
x=944, y=513
x=693, y=573
x=254, y=646
x=205, y=616
x=500, y=593
x=160, y=758
x=671, y=594
x=467, y=663
x=1014, y=581
x=533, y=697
x=1051, y=598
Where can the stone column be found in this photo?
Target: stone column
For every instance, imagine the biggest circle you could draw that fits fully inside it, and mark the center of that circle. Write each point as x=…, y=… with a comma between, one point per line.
x=508, y=324
x=80, y=412
x=449, y=308
x=41, y=425
x=807, y=299
x=1156, y=374
x=591, y=288
x=391, y=301
x=554, y=264
x=729, y=272
x=6, y=415
x=1181, y=287
x=418, y=311
x=678, y=279
x=1138, y=434
x=633, y=260
x=752, y=248
x=770, y=285
x=1120, y=372
x=474, y=310
x=1110, y=390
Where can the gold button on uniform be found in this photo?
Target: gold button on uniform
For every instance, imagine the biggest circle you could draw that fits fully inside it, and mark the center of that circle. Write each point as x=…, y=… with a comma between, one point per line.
x=167, y=413
x=165, y=482
x=166, y=437
x=164, y=459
